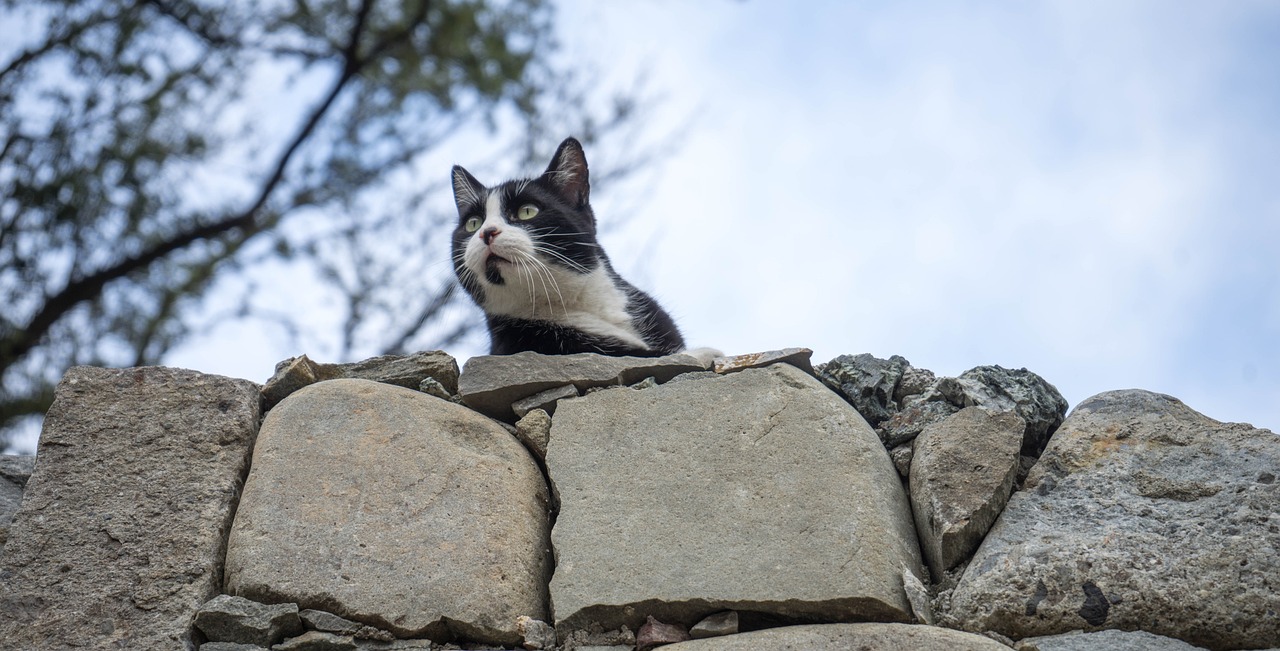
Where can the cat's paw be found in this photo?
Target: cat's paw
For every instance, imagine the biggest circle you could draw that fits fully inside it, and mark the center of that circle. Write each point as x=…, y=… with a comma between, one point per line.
x=706, y=356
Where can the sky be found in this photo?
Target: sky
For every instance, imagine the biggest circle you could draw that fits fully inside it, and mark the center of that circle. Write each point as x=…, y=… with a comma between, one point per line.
x=1090, y=190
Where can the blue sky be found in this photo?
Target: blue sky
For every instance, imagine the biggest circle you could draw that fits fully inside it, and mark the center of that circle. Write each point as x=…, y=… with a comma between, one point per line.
x=1090, y=190
x=1087, y=189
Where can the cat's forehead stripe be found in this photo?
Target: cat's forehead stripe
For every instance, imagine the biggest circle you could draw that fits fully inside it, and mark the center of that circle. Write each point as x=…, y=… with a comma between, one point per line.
x=493, y=208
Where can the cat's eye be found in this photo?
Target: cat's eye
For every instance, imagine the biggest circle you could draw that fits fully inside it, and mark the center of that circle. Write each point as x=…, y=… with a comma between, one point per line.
x=473, y=224
x=527, y=212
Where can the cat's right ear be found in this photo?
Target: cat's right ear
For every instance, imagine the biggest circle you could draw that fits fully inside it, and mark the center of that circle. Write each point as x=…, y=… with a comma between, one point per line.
x=466, y=189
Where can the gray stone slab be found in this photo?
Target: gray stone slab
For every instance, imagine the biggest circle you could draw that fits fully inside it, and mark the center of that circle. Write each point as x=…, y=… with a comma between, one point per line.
x=962, y=473
x=235, y=619
x=1141, y=514
x=395, y=509
x=846, y=637
x=544, y=400
x=409, y=371
x=491, y=383
x=688, y=499
x=797, y=357
x=1108, y=640
x=121, y=533
x=1018, y=390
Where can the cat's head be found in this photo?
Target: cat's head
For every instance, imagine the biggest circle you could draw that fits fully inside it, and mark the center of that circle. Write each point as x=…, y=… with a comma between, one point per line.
x=520, y=238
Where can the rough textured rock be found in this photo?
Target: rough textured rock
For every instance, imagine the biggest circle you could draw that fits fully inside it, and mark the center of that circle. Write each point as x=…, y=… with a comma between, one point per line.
x=122, y=526
x=291, y=374
x=491, y=383
x=357, y=484
x=14, y=472
x=962, y=472
x=544, y=400
x=408, y=371
x=234, y=619
x=317, y=641
x=913, y=418
x=867, y=382
x=919, y=597
x=725, y=623
x=1108, y=640
x=536, y=634
x=319, y=620
x=902, y=456
x=230, y=646
x=534, y=430
x=697, y=493
x=846, y=637
x=797, y=357
x=655, y=634
x=1141, y=514
x=1017, y=390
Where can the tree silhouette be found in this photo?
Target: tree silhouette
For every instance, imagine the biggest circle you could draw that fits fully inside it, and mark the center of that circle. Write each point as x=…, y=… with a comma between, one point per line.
x=136, y=175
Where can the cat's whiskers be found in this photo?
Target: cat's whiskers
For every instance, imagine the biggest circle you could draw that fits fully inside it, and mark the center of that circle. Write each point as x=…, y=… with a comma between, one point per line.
x=545, y=272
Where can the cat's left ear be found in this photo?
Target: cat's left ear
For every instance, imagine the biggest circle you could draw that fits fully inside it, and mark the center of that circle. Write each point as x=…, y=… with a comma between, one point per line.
x=466, y=189
x=567, y=173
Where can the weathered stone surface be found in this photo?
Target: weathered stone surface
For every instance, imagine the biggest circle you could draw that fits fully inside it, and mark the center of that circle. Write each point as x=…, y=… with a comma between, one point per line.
x=491, y=383
x=409, y=371
x=1108, y=640
x=797, y=357
x=291, y=374
x=1017, y=390
x=597, y=638
x=847, y=637
x=536, y=634
x=406, y=371
x=902, y=456
x=122, y=526
x=919, y=597
x=907, y=423
x=725, y=623
x=914, y=382
x=432, y=387
x=330, y=623
x=235, y=619
x=317, y=641
x=655, y=633
x=534, y=430
x=962, y=472
x=544, y=400
x=395, y=509
x=1142, y=514
x=14, y=472
x=409, y=645
x=230, y=646
x=696, y=493
x=867, y=382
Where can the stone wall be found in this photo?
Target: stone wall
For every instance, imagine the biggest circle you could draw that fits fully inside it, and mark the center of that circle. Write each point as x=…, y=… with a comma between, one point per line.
x=588, y=502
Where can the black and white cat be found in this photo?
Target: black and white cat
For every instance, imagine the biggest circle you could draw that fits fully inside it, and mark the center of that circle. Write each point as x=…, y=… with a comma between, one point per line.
x=526, y=252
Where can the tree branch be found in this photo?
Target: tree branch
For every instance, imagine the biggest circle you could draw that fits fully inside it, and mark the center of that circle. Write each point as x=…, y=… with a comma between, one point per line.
x=20, y=342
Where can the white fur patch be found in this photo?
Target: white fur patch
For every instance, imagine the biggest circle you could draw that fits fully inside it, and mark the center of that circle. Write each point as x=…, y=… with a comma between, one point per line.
x=536, y=289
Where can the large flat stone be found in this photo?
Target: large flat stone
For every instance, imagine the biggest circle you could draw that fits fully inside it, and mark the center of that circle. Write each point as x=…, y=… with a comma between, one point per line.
x=121, y=533
x=847, y=637
x=1109, y=640
x=759, y=491
x=491, y=383
x=1141, y=515
x=395, y=509
x=962, y=472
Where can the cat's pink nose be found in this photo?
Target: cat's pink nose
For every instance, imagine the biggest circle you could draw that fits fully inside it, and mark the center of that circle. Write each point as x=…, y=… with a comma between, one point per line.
x=488, y=234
